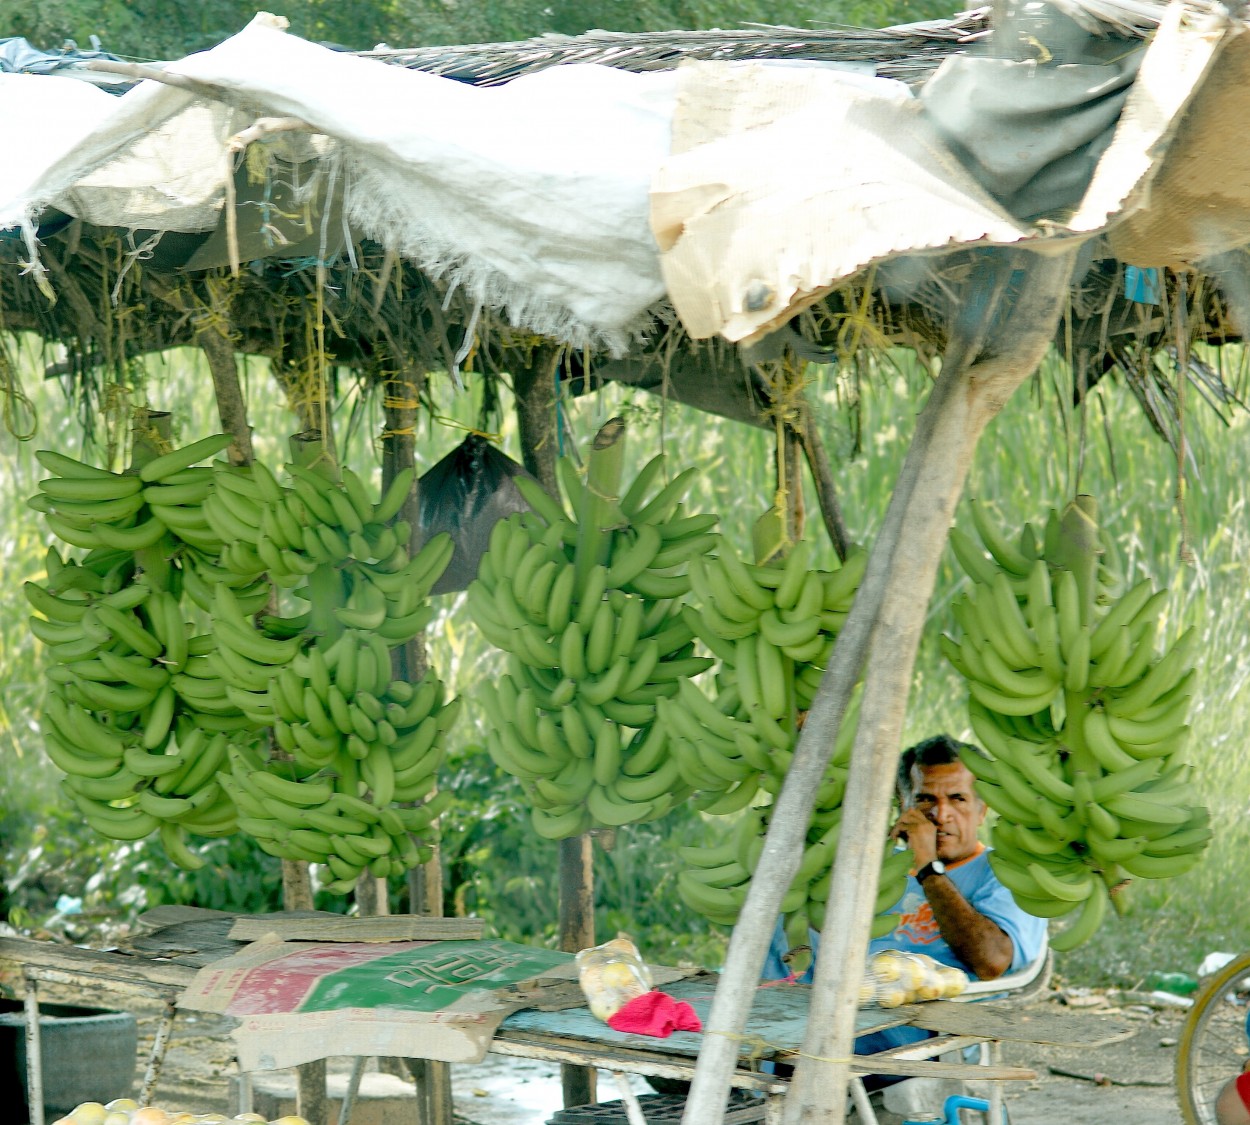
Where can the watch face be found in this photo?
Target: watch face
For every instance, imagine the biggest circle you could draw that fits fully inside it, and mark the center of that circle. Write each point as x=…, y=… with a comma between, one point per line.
x=937, y=867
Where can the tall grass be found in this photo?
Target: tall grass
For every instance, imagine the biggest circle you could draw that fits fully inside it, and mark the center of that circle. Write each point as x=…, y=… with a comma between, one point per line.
x=1027, y=463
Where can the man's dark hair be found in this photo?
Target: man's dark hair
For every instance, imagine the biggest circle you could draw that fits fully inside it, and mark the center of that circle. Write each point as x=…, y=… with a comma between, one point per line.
x=940, y=750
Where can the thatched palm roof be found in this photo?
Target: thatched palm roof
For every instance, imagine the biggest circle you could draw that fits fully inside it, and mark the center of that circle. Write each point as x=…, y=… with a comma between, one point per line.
x=120, y=294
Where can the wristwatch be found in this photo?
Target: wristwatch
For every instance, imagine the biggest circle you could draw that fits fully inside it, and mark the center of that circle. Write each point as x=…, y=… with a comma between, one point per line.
x=936, y=867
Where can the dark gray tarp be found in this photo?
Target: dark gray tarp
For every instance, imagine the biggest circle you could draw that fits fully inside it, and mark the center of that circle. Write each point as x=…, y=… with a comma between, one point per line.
x=1033, y=134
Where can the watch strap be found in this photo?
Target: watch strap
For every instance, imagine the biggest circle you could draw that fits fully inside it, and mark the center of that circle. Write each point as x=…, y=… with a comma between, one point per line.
x=927, y=870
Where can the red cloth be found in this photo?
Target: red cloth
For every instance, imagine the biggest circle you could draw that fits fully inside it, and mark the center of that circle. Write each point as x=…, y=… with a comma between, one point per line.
x=1243, y=1088
x=655, y=1013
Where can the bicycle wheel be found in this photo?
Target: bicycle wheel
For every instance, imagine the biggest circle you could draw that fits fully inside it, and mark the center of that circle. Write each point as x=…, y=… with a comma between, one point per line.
x=1213, y=1045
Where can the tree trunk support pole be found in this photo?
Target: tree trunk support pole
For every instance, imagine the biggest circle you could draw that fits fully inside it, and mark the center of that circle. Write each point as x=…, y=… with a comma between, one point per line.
x=887, y=618
x=535, y=389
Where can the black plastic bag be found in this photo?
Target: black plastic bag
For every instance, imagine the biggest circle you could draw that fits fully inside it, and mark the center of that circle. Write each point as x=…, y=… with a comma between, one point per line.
x=465, y=494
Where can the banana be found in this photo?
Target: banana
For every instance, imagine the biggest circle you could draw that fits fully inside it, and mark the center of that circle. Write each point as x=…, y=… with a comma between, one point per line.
x=159, y=718
x=1066, y=890
x=1163, y=677
x=558, y=826
x=1092, y=912
x=287, y=791
x=1102, y=744
x=70, y=761
x=129, y=823
x=127, y=628
x=93, y=490
x=58, y=464
x=1139, y=807
x=732, y=800
x=1008, y=681
x=1004, y=704
x=1044, y=776
x=1006, y=554
x=163, y=467
x=1124, y=612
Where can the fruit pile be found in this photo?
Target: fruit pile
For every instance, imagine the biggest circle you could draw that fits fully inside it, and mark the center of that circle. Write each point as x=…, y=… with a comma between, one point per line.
x=126, y=1111
x=1085, y=721
x=161, y=724
x=587, y=607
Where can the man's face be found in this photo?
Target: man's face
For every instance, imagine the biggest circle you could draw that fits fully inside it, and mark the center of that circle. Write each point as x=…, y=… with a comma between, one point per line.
x=945, y=794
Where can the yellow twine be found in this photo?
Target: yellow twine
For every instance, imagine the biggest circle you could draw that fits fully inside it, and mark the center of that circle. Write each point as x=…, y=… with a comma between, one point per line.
x=759, y=1045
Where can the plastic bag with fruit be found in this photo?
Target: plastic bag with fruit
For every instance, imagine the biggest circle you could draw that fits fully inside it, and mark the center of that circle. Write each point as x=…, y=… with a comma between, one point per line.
x=611, y=975
x=893, y=977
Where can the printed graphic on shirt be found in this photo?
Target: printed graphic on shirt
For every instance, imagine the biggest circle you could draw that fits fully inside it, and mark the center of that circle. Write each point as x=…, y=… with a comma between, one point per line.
x=916, y=922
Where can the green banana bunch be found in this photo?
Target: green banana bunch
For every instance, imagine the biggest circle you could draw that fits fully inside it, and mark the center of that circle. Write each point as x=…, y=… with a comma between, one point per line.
x=156, y=503
x=587, y=606
x=159, y=706
x=137, y=757
x=718, y=896
x=1083, y=717
x=321, y=680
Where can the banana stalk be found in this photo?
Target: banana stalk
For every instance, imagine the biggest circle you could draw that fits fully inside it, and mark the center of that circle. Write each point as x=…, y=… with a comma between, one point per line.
x=602, y=510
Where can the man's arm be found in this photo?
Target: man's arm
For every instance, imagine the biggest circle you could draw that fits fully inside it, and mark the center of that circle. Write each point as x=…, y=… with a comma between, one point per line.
x=979, y=942
x=976, y=940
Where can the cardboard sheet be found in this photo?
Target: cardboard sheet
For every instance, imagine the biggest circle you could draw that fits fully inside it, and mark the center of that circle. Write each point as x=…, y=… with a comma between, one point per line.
x=302, y=1001
x=298, y=1001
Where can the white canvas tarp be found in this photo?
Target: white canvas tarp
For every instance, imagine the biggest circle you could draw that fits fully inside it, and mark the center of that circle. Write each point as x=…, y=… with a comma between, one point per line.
x=574, y=199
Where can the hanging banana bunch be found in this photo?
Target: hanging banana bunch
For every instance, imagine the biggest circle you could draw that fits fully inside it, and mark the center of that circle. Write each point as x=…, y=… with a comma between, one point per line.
x=356, y=748
x=139, y=753
x=1085, y=719
x=586, y=605
x=715, y=880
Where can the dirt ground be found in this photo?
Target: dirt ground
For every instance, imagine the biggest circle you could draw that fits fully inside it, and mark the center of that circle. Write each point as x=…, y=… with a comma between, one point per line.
x=1129, y=1080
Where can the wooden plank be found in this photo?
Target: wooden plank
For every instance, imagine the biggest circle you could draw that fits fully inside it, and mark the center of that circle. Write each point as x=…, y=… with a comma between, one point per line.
x=904, y=1067
x=931, y=1048
x=1001, y=1021
x=552, y=1048
x=336, y=927
x=93, y=962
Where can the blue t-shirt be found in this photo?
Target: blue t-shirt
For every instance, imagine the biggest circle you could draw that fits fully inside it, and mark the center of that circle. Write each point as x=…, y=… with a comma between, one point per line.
x=917, y=930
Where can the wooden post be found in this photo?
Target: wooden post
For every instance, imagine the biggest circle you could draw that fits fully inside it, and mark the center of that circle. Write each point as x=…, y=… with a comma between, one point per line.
x=535, y=388
x=219, y=352
x=822, y=477
x=400, y=406
x=885, y=625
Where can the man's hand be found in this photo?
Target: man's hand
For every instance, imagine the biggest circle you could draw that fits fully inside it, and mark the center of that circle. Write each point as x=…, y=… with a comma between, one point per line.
x=919, y=833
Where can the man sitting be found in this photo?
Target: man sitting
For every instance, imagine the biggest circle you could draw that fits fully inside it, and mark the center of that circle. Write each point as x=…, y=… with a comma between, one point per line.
x=954, y=909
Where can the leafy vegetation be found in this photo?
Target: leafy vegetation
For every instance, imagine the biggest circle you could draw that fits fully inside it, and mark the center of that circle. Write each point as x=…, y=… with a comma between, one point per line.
x=153, y=30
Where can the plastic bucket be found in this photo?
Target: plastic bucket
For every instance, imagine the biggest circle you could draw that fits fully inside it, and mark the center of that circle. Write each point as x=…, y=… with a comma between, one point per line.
x=88, y=1055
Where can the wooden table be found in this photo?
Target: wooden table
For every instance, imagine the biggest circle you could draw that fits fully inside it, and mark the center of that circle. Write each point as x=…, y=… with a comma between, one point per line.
x=774, y=1031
